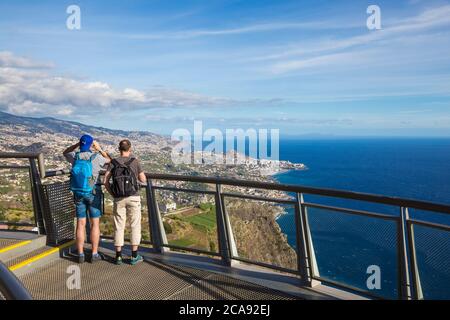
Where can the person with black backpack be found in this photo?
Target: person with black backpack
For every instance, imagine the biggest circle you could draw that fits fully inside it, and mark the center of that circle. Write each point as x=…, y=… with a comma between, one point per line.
x=122, y=182
x=84, y=184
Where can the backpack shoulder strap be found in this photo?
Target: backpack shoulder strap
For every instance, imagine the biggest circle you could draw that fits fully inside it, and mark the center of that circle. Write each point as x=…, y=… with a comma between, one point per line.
x=115, y=163
x=129, y=162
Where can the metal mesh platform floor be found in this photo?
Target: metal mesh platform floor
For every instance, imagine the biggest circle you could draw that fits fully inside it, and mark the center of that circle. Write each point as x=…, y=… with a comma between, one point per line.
x=148, y=280
x=7, y=242
x=18, y=235
x=26, y=256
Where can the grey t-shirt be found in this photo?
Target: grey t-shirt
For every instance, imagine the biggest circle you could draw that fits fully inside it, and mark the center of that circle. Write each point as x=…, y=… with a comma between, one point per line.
x=97, y=163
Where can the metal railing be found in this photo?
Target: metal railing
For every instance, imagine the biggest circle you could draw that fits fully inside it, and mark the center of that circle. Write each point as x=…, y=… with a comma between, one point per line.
x=408, y=279
x=408, y=282
x=10, y=287
x=36, y=171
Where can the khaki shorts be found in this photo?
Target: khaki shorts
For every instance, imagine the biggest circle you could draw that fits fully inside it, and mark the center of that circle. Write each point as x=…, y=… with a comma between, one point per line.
x=127, y=207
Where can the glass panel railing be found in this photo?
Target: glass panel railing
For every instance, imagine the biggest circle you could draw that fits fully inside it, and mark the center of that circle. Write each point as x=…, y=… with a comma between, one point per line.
x=355, y=249
x=189, y=220
x=257, y=235
x=433, y=261
x=107, y=220
x=16, y=204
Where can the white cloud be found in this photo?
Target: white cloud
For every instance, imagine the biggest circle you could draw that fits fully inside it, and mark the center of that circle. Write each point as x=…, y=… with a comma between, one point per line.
x=8, y=59
x=33, y=91
x=255, y=28
x=287, y=66
x=27, y=90
x=323, y=51
x=30, y=107
x=198, y=33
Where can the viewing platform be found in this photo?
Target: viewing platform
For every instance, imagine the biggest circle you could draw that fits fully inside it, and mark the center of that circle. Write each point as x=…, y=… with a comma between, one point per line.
x=38, y=260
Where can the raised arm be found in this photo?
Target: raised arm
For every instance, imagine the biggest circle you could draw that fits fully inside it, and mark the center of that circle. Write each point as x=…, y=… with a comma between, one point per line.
x=104, y=154
x=71, y=148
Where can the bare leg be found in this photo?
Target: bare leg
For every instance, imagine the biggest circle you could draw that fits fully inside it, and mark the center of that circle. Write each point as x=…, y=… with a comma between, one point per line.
x=95, y=234
x=118, y=249
x=134, y=248
x=81, y=234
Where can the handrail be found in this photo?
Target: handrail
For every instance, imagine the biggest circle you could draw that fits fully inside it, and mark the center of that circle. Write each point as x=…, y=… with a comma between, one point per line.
x=11, y=287
x=19, y=155
x=351, y=195
x=55, y=173
x=26, y=155
x=394, y=201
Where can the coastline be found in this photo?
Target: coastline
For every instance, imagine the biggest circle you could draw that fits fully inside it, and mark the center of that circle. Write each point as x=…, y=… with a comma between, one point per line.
x=283, y=211
x=283, y=167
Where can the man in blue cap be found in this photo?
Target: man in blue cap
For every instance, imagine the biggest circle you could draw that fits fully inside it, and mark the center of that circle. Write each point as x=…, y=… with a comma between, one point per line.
x=86, y=165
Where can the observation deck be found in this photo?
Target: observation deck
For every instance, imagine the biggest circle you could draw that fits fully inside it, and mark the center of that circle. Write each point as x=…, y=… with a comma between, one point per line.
x=337, y=239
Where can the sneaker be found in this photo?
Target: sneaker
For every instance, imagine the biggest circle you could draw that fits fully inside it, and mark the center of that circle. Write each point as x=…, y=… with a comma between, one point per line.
x=96, y=257
x=136, y=260
x=118, y=260
x=81, y=258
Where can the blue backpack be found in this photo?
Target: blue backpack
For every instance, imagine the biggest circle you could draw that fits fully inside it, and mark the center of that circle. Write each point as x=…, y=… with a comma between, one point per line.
x=82, y=180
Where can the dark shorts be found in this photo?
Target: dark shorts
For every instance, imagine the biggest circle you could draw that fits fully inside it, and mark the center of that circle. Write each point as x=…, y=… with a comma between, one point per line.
x=89, y=204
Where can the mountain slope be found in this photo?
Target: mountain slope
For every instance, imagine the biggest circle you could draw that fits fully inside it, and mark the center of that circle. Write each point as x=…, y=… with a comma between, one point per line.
x=53, y=125
x=28, y=134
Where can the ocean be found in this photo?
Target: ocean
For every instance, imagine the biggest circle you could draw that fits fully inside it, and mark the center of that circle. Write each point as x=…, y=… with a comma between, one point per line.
x=346, y=245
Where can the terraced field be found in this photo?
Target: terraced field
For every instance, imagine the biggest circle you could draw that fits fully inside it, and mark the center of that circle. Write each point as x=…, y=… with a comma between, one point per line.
x=193, y=228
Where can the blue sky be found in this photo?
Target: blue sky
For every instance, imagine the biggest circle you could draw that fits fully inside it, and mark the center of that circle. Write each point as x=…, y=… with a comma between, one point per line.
x=304, y=67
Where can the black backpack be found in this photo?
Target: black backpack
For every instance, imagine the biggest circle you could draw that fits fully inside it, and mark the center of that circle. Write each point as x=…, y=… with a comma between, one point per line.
x=124, y=181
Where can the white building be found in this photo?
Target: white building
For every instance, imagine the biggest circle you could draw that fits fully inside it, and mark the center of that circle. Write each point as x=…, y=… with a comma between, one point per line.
x=167, y=206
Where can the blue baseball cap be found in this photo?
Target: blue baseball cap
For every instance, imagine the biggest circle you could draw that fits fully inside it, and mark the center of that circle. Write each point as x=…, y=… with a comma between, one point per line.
x=86, y=142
